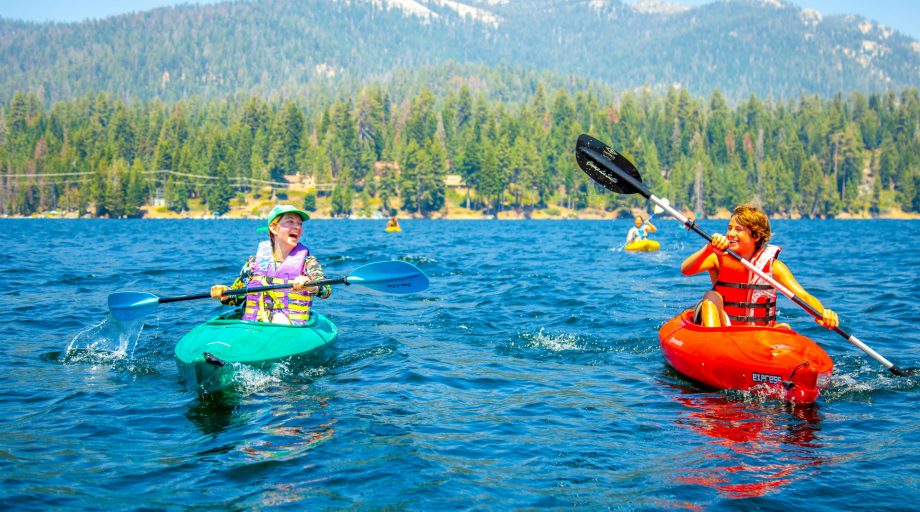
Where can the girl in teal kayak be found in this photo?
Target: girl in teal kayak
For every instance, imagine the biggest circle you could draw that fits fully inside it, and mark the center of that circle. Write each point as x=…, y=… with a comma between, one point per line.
x=281, y=259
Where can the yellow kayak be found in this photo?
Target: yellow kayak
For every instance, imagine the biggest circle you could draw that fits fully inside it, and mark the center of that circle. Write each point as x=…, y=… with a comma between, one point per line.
x=393, y=229
x=643, y=245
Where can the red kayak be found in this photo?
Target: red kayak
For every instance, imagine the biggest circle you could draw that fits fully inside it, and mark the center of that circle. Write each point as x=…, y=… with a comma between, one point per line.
x=770, y=361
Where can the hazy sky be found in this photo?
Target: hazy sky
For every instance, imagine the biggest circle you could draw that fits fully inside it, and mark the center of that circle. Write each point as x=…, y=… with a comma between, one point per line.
x=903, y=15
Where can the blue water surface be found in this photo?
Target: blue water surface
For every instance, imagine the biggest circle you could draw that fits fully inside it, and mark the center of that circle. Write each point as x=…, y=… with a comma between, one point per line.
x=528, y=376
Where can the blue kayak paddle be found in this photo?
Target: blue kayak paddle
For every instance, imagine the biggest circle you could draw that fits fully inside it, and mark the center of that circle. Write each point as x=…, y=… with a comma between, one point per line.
x=617, y=174
x=396, y=277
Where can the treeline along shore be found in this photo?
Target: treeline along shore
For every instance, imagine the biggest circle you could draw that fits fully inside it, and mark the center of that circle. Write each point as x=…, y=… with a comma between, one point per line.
x=460, y=154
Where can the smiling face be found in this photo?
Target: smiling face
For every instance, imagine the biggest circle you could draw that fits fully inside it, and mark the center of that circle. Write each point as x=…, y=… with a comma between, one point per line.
x=638, y=220
x=740, y=238
x=286, y=231
x=756, y=224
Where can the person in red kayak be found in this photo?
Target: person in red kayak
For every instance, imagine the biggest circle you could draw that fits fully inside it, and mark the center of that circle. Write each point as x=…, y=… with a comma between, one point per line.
x=738, y=296
x=281, y=259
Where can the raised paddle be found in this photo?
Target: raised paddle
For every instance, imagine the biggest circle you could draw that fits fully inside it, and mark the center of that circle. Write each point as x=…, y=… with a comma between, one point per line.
x=617, y=174
x=396, y=277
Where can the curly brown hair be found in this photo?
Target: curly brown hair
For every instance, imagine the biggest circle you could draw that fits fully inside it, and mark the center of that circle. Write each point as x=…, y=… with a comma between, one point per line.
x=754, y=219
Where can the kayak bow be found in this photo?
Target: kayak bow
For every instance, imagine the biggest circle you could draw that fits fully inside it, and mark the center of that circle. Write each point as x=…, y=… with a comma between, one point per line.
x=210, y=355
x=643, y=246
x=770, y=361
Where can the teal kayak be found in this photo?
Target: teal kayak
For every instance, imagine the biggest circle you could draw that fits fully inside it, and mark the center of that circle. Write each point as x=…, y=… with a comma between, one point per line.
x=211, y=354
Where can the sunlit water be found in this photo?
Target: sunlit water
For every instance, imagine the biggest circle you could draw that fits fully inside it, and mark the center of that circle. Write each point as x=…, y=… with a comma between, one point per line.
x=528, y=376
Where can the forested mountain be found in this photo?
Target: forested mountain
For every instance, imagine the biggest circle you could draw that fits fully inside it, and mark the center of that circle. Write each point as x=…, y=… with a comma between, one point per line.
x=298, y=47
x=376, y=105
x=811, y=157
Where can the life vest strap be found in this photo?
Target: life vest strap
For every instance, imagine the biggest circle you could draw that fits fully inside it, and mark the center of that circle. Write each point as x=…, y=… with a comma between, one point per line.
x=750, y=305
x=753, y=319
x=745, y=286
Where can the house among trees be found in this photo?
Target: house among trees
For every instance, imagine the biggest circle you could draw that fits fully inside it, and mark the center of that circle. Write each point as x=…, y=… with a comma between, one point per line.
x=453, y=181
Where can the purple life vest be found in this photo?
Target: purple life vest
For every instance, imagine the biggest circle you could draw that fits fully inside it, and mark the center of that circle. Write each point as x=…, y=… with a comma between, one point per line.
x=263, y=306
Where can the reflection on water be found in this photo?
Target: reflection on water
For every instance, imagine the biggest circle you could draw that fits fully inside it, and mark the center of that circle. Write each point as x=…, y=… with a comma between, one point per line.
x=295, y=427
x=289, y=442
x=212, y=413
x=754, y=448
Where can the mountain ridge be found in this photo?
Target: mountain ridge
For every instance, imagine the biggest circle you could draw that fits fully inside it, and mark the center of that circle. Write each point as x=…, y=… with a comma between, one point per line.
x=741, y=47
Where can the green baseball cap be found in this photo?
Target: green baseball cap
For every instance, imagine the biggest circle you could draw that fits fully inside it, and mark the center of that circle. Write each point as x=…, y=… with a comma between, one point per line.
x=280, y=210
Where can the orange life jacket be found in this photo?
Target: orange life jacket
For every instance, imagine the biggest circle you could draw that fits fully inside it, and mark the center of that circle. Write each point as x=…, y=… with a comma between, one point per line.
x=746, y=297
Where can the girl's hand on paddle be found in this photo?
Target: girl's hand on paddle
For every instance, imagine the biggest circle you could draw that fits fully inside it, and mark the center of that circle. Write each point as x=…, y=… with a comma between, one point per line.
x=828, y=319
x=719, y=242
x=218, y=291
x=299, y=283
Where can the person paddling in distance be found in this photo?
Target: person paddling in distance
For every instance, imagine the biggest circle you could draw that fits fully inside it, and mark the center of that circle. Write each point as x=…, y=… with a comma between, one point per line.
x=640, y=231
x=393, y=223
x=739, y=296
x=281, y=259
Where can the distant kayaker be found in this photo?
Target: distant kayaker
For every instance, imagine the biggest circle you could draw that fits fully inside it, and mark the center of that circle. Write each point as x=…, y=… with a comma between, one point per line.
x=393, y=223
x=640, y=231
x=280, y=259
x=740, y=297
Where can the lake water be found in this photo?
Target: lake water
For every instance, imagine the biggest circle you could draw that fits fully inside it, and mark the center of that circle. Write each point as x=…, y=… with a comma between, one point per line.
x=528, y=376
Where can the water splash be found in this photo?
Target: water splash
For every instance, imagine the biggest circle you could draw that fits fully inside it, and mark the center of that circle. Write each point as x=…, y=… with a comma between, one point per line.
x=417, y=259
x=552, y=342
x=109, y=340
x=248, y=379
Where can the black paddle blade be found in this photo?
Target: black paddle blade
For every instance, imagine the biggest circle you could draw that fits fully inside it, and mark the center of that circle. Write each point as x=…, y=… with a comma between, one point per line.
x=904, y=372
x=599, y=171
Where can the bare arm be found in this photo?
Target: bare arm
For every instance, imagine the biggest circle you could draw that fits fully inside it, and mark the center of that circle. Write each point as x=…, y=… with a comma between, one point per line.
x=703, y=259
x=632, y=233
x=782, y=274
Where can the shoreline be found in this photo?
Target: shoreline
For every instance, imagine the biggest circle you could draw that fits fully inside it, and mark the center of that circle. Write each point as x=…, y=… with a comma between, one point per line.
x=258, y=209
x=503, y=216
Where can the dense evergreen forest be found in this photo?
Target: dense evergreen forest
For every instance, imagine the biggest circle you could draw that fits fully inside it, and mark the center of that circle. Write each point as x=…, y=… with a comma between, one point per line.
x=104, y=156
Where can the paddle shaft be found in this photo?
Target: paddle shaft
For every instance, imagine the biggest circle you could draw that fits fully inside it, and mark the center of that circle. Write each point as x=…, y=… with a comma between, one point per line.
x=254, y=289
x=690, y=224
